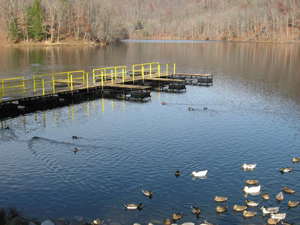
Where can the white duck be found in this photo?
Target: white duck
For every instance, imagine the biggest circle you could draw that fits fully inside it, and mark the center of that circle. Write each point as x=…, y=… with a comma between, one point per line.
x=252, y=189
x=269, y=210
x=278, y=216
x=199, y=173
x=249, y=166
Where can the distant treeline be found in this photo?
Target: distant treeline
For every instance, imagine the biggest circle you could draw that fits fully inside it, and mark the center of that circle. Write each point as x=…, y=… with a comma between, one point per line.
x=107, y=21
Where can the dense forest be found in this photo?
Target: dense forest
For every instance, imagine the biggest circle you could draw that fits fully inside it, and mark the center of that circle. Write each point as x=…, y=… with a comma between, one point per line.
x=107, y=21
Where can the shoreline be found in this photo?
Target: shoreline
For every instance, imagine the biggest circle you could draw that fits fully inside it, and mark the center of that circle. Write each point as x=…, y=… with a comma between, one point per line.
x=94, y=44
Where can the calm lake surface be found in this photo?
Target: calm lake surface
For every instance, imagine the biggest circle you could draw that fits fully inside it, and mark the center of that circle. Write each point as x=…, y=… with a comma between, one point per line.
x=124, y=147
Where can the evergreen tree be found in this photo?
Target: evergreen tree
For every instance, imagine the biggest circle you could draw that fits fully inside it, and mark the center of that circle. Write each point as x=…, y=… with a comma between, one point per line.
x=13, y=30
x=35, y=21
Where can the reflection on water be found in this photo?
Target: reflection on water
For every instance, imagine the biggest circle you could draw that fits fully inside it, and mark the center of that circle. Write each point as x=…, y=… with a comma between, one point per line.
x=124, y=147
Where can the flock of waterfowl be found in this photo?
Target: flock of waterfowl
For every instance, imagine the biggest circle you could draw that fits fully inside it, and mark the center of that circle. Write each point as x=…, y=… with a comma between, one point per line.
x=275, y=217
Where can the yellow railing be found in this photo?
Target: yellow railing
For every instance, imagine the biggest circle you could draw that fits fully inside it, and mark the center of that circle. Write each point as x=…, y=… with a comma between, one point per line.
x=48, y=83
x=48, y=78
x=112, y=72
x=9, y=85
x=145, y=68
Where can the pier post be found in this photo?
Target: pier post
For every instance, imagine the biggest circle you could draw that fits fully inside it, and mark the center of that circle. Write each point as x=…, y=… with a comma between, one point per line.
x=167, y=67
x=53, y=84
x=43, y=84
x=34, y=84
x=150, y=70
x=112, y=76
x=174, y=70
x=87, y=82
x=143, y=73
x=102, y=79
x=123, y=75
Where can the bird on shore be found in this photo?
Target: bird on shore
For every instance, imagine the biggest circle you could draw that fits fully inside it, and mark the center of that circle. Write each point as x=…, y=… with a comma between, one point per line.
x=239, y=208
x=249, y=213
x=279, y=197
x=285, y=169
x=221, y=209
x=288, y=190
x=134, y=206
x=293, y=204
x=220, y=199
x=265, y=196
x=251, y=182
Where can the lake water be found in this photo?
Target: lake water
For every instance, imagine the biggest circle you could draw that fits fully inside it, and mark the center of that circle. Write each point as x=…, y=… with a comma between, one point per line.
x=124, y=147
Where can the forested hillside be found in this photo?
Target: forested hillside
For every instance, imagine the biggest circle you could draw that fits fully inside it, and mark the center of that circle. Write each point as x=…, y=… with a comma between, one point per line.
x=107, y=21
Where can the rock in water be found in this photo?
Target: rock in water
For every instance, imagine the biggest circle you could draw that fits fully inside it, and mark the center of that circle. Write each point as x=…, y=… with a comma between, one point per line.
x=47, y=222
x=31, y=223
x=79, y=220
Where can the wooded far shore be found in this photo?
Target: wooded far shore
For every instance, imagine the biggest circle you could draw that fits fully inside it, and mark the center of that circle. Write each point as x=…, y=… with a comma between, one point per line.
x=101, y=22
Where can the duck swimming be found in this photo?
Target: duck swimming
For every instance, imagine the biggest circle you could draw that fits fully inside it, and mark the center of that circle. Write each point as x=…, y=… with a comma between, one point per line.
x=295, y=159
x=75, y=150
x=269, y=210
x=147, y=193
x=251, y=203
x=133, y=206
x=199, y=173
x=221, y=209
x=293, y=204
x=279, y=197
x=252, y=189
x=191, y=109
x=249, y=213
x=251, y=182
x=177, y=173
x=249, y=166
x=288, y=190
x=177, y=216
x=285, y=169
x=239, y=208
x=265, y=196
x=220, y=199
x=195, y=210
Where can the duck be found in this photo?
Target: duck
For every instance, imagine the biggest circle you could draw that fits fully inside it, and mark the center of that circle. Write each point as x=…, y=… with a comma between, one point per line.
x=177, y=173
x=286, y=169
x=265, y=196
x=221, y=209
x=288, y=190
x=252, y=189
x=239, y=208
x=163, y=103
x=249, y=166
x=168, y=221
x=296, y=159
x=293, y=204
x=147, y=193
x=251, y=182
x=133, y=206
x=74, y=137
x=199, y=173
x=195, y=210
x=220, y=199
x=273, y=221
x=279, y=197
x=284, y=223
x=269, y=210
x=75, y=150
x=177, y=216
x=191, y=109
x=251, y=203
x=205, y=108
x=206, y=223
x=249, y=213
x=279, y=216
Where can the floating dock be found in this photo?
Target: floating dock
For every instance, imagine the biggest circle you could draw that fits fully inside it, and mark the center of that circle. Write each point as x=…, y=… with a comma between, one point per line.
x=115, y=82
